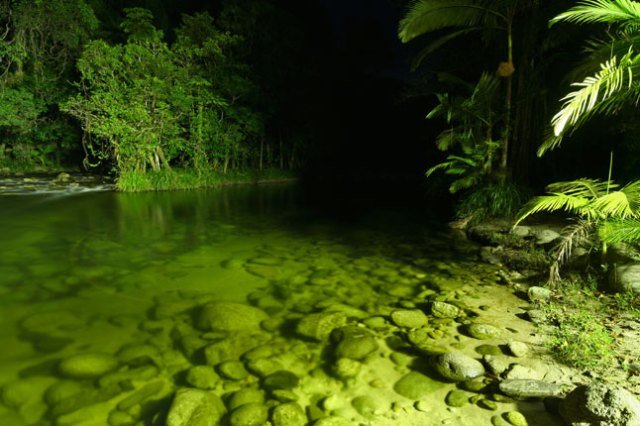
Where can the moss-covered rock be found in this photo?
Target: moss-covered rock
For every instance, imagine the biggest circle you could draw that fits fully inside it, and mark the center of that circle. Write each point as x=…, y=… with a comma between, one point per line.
x=320, y=325
x=232, y=370
x=457, y=398
x=444, y=310
x=457, y=367
x=202, y=377
x=409, y=318
x=482, y=331
x=280, y=380
x=246, y=396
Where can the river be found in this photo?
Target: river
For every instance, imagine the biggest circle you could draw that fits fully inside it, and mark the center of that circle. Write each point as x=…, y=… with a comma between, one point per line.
x=110, y=302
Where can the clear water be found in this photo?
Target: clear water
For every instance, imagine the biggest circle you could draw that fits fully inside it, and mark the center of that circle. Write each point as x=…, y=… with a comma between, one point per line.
x=100, y=272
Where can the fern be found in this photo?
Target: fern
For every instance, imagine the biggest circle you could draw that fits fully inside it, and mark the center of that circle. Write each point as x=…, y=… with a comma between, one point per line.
x=620, y=231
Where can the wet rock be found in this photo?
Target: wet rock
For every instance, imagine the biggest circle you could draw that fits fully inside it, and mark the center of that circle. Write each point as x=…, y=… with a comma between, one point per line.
x=87, y=366
x=355, y=345
x=601, y=404
x=320, y=325
x=516, y=418
x=227, y=316
x=246, y=396
x=457, y=398
x=444, y=310
x=280, y=380
x=482, y=331
x=87, y=398
x=546, y=236
x=290, y=414
x=262, y=367
x=144, y=373
x=62, y=390
x=487, y=404
x=410, y=318
x=232, y=370
x=488, y=350
x=529, y=388
x=414, y=385
x=195, y=407
x=136, y=355
x=497, y=364
x=202, y=377
x=625, y=278
x=518, y=349
x=252, y=414
x=538, y=294
x=21, y=392
x=457, y=367
x=232, y=347
x=423, y=340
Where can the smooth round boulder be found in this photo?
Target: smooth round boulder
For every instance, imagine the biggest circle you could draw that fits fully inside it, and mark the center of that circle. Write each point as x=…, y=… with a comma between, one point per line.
x=482, y=331
x=320, y=325
x=458, y=367
x=357, y=347
x=195, y=407
x=252, y=414
x=87, y=366
x=409, y=318
x=280, y=380
x=414, y=385
x=227, y=316
x=444, y=310
x=290, y=414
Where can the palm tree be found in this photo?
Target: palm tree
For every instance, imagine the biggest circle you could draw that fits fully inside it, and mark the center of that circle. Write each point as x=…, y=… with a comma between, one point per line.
x=612, y=86
x=464, y=17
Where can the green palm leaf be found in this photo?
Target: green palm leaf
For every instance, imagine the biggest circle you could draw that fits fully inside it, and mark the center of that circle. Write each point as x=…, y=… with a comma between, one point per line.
x=589, y=188
x=425, y=16
x=620, y=231
x=555, y=202
x=614, y=204
x=626, y=12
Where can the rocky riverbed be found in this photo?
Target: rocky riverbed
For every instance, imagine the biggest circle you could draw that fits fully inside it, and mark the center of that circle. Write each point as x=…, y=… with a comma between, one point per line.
x=251, y=325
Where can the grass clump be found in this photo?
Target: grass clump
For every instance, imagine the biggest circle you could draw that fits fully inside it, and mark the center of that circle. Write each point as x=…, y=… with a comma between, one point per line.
x=181, y=179
x=495, y=200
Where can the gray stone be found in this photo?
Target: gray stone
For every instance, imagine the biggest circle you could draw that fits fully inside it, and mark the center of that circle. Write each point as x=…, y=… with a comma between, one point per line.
x=625, y=278
x=457, y=367
x=538, y=294
x=227, y=316
x=444, y=310
x=410, y=318
x=497, y=364
x=320, y=325
x=482, y=331
x=290, y=414
x=202, y=377
x=529, y=388
x=87, y=366
x=252, y=414
x=601, y=404
x=546, y=236
x=518, y=349
x=195, y=407
x=414, y=385
x=521, y=231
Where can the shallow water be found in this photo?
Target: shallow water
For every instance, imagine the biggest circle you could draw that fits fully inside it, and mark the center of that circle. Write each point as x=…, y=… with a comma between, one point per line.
x=120, y=274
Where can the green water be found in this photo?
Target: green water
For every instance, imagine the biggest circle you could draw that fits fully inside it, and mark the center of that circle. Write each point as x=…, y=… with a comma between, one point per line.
x=122, y=279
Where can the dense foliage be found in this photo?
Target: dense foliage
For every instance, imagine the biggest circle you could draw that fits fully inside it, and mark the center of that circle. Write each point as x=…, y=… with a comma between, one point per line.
x=124, y=96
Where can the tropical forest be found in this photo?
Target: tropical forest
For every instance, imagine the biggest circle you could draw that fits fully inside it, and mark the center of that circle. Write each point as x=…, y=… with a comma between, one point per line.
x=319, y=212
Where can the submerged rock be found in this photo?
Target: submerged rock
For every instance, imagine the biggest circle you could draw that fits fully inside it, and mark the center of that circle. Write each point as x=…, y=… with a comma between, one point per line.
x=252, y=414
x=444, y=310
x=414, y=385
x=227, y=316
x=246, y=396
x=410, y=318
x=194, y=407
x=202, y=377
x=601, y=404
x=320, y=325
x=482, y=331
x=457, y=367
x=87, y=366
x=290, y=414
x=280, y=380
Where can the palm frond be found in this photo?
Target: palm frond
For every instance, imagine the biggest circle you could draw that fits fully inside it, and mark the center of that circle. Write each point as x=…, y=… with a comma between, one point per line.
x=620, y=231
x=572, y=235
x=624, y=12
x=615, y=204
x=438, y=43
x=614, y=76
x=423, y=16
x=554, y=202
x=585, y=187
